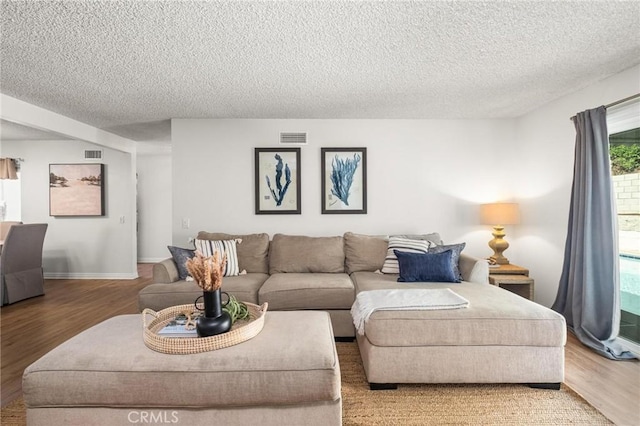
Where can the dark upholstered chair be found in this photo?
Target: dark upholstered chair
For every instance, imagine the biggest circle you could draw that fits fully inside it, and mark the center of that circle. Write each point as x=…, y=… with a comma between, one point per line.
x=21, y=263
x=4, y=228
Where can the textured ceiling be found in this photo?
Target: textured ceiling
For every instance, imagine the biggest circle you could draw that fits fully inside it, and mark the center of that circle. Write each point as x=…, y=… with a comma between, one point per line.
x=130, y=66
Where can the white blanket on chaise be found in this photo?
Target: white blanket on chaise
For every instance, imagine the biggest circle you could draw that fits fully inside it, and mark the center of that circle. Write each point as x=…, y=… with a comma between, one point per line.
x=368, y=302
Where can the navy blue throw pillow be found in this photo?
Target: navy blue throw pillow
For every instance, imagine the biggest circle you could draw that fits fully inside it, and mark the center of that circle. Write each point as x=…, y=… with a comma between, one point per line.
x=180, y=257
x=426, y=267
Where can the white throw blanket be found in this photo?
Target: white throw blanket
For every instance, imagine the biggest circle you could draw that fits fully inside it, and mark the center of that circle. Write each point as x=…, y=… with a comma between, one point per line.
x=406, y=299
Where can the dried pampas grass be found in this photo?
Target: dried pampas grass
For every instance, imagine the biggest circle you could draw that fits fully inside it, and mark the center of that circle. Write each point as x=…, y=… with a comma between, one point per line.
x=207, y=271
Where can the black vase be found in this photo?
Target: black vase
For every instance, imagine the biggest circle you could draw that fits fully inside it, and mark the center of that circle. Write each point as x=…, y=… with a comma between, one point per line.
x=215, y=320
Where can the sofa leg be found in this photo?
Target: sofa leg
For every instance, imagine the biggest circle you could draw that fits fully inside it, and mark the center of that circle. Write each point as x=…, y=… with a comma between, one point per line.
x=382, y=386
x=552, y=386
x=344, y=339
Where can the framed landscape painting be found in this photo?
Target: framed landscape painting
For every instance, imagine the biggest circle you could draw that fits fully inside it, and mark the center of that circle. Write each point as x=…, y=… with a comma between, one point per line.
x=76, y=190
x=277, y=180
x=344, y=180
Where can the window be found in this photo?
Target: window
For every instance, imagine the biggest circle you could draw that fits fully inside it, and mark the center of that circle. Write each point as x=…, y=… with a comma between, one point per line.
x=624, y=140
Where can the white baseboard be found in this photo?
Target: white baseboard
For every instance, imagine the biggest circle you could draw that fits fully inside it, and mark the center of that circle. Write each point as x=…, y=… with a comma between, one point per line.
x=88, y=276
x=151, y=259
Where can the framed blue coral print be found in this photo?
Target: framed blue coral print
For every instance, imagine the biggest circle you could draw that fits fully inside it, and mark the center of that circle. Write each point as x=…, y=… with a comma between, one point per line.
x=344, y=180
x=277, y=180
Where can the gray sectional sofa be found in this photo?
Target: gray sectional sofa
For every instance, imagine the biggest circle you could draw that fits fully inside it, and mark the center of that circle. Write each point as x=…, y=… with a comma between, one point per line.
x=499, y=338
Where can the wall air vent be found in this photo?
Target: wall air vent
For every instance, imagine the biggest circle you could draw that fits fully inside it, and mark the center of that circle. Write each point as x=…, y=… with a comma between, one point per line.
x=293, y=138
x=93, y=154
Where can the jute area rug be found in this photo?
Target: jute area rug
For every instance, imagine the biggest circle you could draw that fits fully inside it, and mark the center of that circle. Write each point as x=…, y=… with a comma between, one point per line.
x=435, y=404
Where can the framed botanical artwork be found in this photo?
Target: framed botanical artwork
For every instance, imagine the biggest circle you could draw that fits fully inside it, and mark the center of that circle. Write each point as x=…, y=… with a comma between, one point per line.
x=277, y=180
x=344, y=180
x=76, y=190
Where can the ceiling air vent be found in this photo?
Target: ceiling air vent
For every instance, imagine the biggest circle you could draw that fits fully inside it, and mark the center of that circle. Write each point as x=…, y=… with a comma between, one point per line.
x=93, y=154
x=293, y=138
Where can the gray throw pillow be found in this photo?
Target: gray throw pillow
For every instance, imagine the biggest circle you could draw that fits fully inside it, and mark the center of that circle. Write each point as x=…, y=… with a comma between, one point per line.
x=180, y=257
x=433, y=237
x=456, y=249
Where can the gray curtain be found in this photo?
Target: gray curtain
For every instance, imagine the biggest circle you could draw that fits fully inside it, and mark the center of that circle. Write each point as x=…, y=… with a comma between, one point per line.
x=589, y=291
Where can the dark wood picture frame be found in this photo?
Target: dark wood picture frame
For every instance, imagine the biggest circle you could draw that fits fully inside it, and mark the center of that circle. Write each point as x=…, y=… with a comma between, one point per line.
x=76, y=189
x=344, y=180
x=277, y=181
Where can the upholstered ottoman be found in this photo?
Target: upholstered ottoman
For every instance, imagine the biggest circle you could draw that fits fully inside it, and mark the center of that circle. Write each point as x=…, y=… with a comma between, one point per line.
x=499, y=338
x=289, y=373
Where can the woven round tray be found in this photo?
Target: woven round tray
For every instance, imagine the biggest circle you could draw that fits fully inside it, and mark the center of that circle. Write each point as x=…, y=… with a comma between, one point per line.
x=241, y=331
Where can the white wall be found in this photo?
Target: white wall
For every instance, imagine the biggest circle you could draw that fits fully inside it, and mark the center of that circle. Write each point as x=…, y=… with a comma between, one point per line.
x=79, y=247
x=423, y=176
x=542, y=166
x=154, y=206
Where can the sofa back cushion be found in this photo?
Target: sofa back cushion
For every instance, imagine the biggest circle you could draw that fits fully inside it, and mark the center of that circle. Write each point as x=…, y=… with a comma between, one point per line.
x=294, y=253
x=253, y=251
x=364, y=252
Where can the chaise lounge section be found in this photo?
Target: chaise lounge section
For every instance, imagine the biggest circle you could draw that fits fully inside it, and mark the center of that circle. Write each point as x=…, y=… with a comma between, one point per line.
x=499, y=338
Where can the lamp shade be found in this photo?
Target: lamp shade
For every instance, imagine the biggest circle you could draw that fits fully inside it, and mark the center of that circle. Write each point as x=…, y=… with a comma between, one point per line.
x=500, y=214
x=8, y=168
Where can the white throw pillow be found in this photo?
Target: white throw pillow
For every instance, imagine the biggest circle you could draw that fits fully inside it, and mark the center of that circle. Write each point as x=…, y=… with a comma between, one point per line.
x=209, y=247
x=402, y=244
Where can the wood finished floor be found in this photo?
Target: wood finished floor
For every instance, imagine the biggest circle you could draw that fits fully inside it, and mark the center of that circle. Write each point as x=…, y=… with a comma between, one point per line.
x=31, y=328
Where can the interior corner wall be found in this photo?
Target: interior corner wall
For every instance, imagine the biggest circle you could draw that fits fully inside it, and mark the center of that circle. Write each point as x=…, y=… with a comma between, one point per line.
x=544, y=156
x=423, y=176
x=79, y=247
x=154, y=200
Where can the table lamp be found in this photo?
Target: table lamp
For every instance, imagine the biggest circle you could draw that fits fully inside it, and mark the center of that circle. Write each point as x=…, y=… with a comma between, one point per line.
x=498, y=215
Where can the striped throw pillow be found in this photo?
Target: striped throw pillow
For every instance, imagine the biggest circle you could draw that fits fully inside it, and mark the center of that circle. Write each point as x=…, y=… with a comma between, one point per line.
x=209, y=247
x=405, y=245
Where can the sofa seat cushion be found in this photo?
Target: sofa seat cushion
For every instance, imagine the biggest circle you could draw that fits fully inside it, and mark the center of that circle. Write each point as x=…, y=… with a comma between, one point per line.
x=364, y=280
x=308, y=291
x=109, y=365
x=494, y=317
x=161, y=295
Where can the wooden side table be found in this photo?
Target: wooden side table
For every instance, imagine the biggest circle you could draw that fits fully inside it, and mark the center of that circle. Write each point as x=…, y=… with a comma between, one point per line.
x=513, y=278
